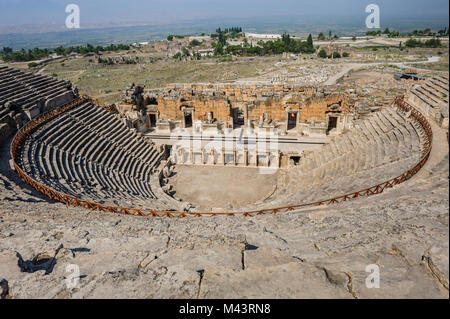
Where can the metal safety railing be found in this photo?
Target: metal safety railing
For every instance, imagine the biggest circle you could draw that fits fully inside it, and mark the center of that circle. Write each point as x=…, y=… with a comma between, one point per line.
x=27, y=129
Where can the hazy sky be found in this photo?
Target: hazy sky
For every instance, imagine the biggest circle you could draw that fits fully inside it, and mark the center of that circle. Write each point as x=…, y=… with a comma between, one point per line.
x=19, y=12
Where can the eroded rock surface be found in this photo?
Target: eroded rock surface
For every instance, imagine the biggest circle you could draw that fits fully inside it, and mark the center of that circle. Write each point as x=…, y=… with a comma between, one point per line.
x=317, y=253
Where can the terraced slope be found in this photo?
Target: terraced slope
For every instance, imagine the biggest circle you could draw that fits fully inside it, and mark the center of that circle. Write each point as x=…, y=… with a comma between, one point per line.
x=431, y=98
x=24, y=95
x=381, y=147
x=89, y=153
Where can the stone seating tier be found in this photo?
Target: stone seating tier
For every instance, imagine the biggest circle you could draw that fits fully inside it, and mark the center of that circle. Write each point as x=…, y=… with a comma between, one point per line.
x=89, y=153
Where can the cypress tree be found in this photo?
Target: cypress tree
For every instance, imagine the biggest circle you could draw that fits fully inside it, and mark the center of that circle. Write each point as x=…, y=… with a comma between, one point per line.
x=310, y=40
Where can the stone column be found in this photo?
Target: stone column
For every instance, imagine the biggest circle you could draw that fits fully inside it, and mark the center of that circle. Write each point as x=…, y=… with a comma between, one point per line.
x=213, y=156
x=223, y=156
x=191, y=153
x=180, y=156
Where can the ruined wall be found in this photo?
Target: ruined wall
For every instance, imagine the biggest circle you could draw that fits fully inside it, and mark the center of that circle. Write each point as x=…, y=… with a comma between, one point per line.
x=304, y=109
x=272, y=107
x=218, y=106
x=172, y=109
x=169, y=108
x=316, y=107
x=257, y=100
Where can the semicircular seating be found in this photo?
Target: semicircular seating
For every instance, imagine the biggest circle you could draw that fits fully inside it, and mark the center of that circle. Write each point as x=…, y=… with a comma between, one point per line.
x=89, y=153
x=24, y=95
x=431, y=98
x=380, y=147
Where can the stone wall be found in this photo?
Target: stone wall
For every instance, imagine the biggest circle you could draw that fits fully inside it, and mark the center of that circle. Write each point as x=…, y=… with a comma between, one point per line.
x=256, y=103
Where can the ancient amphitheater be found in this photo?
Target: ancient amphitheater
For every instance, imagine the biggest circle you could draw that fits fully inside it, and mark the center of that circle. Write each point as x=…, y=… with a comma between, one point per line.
x=152, y=197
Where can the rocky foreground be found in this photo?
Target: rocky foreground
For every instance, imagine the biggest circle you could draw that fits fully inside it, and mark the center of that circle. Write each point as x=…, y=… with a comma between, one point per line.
x=320, y=252
x=316, y=253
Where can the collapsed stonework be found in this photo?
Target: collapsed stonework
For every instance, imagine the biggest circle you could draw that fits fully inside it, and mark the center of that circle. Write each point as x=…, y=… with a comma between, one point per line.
x=122, y=59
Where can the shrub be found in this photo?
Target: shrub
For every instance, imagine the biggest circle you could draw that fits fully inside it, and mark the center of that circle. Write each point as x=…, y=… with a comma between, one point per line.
x=322, y=54
x=194, y=43
x=431, y=43
x=32, y=64
x=226, y=58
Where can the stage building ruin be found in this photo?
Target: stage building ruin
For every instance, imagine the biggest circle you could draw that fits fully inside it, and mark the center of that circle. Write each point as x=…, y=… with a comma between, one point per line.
x=226, y=111
x=291, y=110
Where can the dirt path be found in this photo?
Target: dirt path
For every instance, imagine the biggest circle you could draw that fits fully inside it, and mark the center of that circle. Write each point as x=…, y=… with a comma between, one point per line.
x=347, y=68
x=80, y=73
x=356, y=66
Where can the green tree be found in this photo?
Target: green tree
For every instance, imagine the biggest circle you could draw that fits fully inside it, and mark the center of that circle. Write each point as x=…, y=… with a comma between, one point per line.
x=336, y=55
x=322, y=53
x=185, y=52
x=195, y=43
x=286, y=38
x=7, y=50
x=310, y=40
x=218, y=49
